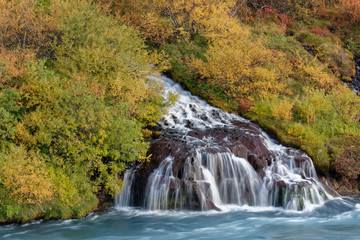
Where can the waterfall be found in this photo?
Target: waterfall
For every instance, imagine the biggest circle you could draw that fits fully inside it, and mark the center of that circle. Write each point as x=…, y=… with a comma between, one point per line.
x=213, y=159
x=124, y=198
x=223, y=179
x=159, y=183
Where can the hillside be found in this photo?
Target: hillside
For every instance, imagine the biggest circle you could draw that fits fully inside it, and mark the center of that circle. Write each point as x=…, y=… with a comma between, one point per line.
x=76, y=106
x=283, y=64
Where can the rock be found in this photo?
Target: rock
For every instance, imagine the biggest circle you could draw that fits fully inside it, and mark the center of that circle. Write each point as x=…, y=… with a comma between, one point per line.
x=244, y=140
x=300, y=160
x=281, y=184
x=258, y=163
x=240, y=151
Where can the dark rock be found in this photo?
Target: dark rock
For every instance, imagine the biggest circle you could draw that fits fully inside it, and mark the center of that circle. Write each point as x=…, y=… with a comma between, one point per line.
x=300, y=160
x=240, y=151
x=244, y=140
x=310, y=48
x=105, y=200
x=257, y=162
x=281, y=184
x=209, y=204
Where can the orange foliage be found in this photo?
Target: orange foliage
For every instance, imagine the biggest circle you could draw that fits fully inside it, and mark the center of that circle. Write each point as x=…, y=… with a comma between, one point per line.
x=24, y=25
x=12, y=64
x=26, y=30
x=351, y=9
x=342, y=12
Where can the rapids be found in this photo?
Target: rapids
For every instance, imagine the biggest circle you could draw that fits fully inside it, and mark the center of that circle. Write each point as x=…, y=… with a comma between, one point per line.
x=212, y=176
x=336, y=219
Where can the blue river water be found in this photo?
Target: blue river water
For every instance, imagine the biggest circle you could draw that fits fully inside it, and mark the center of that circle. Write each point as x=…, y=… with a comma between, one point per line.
x=336, y=219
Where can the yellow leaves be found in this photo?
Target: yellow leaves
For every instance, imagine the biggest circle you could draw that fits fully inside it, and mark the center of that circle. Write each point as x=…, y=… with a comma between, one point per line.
x=197, y=16
x=312, y=106
x=297, y=130
x=283, y=110
x=25, y=174
x=23, y=135
x=144, y=159
x=146, y=133
x=128, y=89
x=64, y=187
x=351, y=8
x=243, y=68
x=313, y=74
x=143, y=16
x=346, y=103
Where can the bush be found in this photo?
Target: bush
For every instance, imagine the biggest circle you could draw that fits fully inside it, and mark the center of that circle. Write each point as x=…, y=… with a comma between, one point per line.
x=70, y=124
x=25, y=175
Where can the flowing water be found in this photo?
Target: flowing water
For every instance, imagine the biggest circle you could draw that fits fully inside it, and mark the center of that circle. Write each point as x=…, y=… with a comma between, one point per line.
x=217, y=177
x=286, y=201
x=336, y=219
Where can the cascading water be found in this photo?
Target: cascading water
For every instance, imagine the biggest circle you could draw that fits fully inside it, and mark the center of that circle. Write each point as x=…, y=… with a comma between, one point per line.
x=211, y=159
x=123, y=199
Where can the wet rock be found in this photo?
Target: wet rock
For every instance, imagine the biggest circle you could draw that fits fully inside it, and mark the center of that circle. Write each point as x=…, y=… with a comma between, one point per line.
x=208, y=204
x=240, y=151
x=204, y=117
x=260, y=162
x=300, y=160
x=159, y=149
x=257, y=162
x=281, y=184
x=244, y=141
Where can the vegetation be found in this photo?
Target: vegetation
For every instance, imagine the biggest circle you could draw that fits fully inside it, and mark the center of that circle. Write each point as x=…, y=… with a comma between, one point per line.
x=76, y=103
x=281, y=63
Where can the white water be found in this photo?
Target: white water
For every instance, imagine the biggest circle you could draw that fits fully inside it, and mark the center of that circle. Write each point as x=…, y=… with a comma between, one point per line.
x=123, y=199
x=219, y=180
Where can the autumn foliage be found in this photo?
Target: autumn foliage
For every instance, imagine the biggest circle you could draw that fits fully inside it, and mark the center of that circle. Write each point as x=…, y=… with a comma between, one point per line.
x=75, y=102
x=25, y=174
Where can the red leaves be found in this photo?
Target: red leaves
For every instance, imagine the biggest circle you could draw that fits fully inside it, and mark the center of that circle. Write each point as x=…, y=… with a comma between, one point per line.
x=270, y=13
x=244, y=105
x=323, y=32
x=348, y=164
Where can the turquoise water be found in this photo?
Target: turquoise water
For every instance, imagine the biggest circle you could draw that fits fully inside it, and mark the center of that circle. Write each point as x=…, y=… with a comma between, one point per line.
x=336, y=219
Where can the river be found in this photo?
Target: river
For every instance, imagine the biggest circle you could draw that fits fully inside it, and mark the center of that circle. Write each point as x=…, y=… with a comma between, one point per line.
x=336, y=219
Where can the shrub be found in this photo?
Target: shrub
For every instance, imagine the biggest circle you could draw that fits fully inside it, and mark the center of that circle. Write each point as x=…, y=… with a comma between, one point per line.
x=25, y=175
x=26, y=25
x=282, y=110
x=347, y=165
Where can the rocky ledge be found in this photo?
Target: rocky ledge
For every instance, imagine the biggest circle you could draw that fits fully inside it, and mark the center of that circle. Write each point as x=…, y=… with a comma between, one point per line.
x=244, y=140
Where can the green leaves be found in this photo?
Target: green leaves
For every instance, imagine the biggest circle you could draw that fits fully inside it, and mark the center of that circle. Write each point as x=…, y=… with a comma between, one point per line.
x=9, y=115
x=73, y=122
